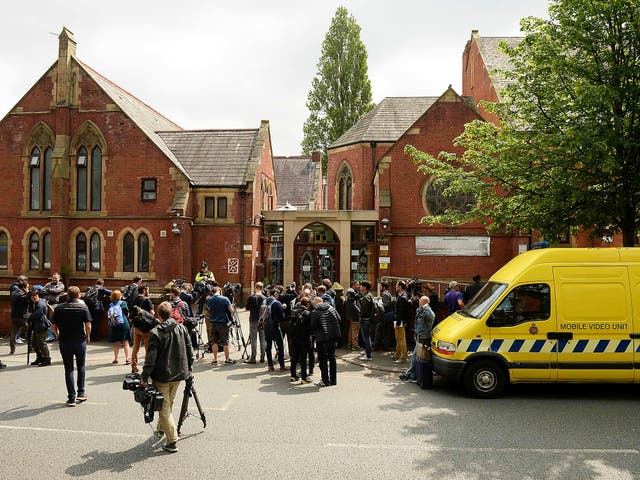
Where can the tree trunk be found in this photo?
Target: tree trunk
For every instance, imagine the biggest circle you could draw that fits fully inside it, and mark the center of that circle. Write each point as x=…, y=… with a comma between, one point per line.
x=629, y=236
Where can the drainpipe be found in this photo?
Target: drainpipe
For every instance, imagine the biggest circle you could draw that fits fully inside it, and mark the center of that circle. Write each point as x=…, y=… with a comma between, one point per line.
x=243, y=194
x=373, y=175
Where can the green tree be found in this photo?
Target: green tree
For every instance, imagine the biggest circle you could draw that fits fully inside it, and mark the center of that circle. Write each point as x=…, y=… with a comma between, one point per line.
x=566, y=152
x=341, y=91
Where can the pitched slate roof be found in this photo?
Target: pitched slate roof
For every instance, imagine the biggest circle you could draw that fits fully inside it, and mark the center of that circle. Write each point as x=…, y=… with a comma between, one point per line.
x=387, y=121
x=296, y=179
x=494, y=58
x=218, y=158
x=145, y=117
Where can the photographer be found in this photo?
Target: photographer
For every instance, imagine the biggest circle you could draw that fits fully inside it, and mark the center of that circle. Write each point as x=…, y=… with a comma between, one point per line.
x=168, y=361
x=20, y=300
x=53, y=290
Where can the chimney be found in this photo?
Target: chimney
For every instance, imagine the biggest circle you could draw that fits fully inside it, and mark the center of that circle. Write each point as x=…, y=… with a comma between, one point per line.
x=66, y=50
x=316, y=156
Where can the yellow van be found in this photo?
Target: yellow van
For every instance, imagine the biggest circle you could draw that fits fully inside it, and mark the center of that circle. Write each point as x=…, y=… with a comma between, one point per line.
x=549, y=315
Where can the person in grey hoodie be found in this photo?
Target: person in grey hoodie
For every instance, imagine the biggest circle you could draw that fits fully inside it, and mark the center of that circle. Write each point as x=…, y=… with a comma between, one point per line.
x=167, y=362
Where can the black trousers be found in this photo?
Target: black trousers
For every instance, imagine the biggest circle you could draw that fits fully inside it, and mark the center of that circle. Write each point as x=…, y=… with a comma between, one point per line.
x=298, y=356
x=327, y=362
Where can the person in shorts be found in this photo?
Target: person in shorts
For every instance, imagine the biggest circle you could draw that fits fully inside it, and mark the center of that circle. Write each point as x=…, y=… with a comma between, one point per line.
x=220, y=312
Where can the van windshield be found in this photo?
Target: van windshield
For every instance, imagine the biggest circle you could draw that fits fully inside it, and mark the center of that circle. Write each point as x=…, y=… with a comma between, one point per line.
x=483, y=300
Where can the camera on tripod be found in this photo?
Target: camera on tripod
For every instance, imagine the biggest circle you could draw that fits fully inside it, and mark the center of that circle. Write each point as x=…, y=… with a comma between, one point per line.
x=149, y=397
x=230, y=289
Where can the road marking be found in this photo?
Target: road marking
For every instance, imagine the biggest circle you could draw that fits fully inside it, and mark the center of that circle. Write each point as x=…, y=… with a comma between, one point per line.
x=224, y=407
x=432, y=448
x=75, y=432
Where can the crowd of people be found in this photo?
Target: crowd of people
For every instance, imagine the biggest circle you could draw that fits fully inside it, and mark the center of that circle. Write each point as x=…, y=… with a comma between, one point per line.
x=312, y=319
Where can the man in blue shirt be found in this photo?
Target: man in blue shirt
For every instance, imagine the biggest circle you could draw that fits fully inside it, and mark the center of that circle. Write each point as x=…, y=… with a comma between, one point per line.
x=219, y=308
x=453, y=299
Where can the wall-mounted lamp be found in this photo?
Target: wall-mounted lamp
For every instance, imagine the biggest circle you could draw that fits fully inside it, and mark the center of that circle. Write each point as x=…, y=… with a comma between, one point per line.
x=385, y=223
x=175, y=229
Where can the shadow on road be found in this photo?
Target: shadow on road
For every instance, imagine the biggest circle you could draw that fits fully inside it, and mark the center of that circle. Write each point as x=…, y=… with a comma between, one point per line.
x=116, y=462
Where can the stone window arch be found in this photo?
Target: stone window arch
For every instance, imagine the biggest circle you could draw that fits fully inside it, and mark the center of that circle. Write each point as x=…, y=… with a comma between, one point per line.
x=38, y=250
x=135, y=250
x=88, y=168
x=5, y=251
x=86, y=247
x=344, y=188
x=39, y=167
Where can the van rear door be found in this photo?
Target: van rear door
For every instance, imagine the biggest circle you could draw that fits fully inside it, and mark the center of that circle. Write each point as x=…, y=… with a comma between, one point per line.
x=593, y=305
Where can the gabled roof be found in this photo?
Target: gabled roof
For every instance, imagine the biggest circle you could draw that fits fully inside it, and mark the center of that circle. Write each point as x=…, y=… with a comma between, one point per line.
x=494, y=58
x=387, y=121
x=219, y=158
x=145, y=117
x=296, y=178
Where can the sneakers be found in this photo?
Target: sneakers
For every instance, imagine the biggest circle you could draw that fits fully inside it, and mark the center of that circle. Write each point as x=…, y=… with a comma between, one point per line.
x=214, y=362
x=320, y=383
x=400, y=360
x=71, y=403
x=407, y=378
x=81, y=398
x=294, y=379
x=364, y=358
x=37, y=361
x=170, y=447
x=250, y=361
x=304, y=381
x=228, y=361
x=45, y=362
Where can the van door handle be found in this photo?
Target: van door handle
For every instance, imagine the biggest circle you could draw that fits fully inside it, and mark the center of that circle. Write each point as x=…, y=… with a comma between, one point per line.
x=634, y=335
x=560, y=335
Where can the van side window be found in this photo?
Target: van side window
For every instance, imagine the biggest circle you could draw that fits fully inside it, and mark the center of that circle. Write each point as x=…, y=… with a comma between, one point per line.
x=525, y=303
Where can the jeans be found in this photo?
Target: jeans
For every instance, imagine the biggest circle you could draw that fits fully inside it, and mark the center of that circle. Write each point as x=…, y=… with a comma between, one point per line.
x=327, y=358
x=274, y=335
x=17, y=325
x=254, y=335
x=298, y=355
x=166, y=423
x=69, y=350
x=365, y=329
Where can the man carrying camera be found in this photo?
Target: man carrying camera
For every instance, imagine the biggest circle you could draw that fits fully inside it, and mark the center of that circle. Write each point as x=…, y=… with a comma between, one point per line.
x=168, y=361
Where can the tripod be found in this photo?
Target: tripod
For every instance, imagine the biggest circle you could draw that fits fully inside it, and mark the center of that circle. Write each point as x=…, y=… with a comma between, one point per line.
x=197, y=331
x=190, y=391
x=236, y=328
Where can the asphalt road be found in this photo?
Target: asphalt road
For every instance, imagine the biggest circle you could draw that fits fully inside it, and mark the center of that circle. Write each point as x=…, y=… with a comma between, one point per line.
x=369, y=426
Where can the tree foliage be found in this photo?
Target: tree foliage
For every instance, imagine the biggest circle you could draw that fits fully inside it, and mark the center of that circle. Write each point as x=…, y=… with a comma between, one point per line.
x=341, y=91
x=566, y=152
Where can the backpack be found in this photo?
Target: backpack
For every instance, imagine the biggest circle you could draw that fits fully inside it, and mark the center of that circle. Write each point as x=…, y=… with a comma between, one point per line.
x=264, y=318
x=143, y=320
x=130, y=294
x=378, y=310
x=176, y=313
x=91, y=298
x=115, y=316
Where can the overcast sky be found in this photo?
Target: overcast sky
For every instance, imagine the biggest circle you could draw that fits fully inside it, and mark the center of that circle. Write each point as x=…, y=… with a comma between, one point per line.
x=229, y=64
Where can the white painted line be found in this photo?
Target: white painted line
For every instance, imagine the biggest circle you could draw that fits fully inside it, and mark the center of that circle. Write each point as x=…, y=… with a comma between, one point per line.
x=431, y=448
x=75, y=432
x=224, y=407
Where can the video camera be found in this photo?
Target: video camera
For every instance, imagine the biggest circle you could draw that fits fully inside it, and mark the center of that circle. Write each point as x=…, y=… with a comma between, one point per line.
x=149, y=397
x=230, y=289
x=414, y=287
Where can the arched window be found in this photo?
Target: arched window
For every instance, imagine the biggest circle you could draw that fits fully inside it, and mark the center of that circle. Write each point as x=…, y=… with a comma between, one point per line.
x=89, y=179
x=46, y=251
x=81, y=252
x=94, y=253
x=34, y=251
x=81, y=179
x=4, y=251
x=128, y=253
x=96, y=179
x=143, y=253
x=40, y=179
x=345, y=188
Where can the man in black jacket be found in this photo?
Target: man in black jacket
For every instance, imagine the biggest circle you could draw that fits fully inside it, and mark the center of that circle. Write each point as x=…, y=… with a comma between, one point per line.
x=168, y=361
x=20, y=300
x=325, y=324
x=71, y=322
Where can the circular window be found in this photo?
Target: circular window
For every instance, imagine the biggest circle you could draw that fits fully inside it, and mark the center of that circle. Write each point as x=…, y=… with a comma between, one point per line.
x=436, y=203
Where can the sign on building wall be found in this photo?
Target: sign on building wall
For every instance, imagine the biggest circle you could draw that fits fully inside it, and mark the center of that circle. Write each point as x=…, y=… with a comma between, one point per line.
x=233, y=265
x=458, y=246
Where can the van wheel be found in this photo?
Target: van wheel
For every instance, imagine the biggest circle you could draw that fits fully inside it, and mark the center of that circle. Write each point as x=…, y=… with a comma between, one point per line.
x=484, y=379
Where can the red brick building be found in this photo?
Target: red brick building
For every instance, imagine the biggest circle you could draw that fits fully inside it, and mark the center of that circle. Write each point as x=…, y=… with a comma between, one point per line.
x=98, y=184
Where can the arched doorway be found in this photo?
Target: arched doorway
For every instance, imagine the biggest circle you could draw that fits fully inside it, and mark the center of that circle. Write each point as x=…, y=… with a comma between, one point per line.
x=316, y=254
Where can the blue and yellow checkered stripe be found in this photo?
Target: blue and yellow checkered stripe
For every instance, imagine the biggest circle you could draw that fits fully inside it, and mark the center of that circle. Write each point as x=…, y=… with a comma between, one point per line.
x=547, y=346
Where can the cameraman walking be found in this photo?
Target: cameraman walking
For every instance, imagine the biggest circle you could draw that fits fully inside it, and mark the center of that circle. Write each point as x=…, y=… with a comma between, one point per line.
x=168, y=361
